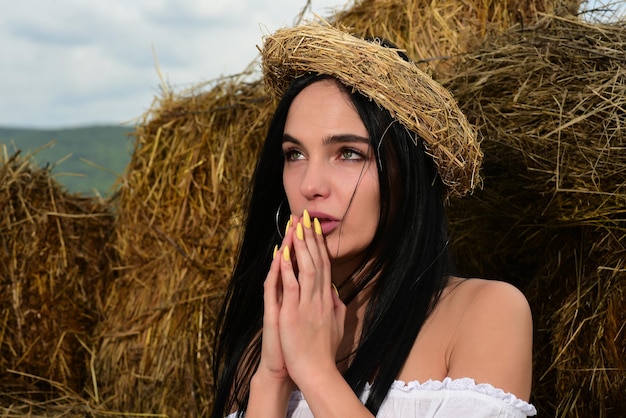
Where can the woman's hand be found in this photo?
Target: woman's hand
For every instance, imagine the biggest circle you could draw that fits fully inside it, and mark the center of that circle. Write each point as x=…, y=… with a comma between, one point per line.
x=303, y=325
x=311, y=317
x=271, y=385
x=272, y=363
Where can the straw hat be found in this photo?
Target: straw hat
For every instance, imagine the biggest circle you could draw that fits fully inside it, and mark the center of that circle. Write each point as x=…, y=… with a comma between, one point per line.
x=422, y=105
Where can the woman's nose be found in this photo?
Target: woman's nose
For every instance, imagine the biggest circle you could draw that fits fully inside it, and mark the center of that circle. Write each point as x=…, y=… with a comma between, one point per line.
x=316, y=181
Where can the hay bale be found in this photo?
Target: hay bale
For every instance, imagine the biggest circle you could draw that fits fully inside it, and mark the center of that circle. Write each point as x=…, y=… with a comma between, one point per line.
x=54, y=264
x=177, y=231
x=589, y=345
x=554, y=95
x=437, y=32
x=549, y=102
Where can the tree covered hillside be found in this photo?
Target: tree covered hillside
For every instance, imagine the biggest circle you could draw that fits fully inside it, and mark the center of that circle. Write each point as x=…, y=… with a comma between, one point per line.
x=86, y=160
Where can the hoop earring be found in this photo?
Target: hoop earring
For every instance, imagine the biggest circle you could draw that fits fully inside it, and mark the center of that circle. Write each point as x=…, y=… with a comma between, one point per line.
x=278, y=227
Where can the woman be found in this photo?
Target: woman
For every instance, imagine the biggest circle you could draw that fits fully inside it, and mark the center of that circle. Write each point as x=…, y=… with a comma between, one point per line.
x=347, y=306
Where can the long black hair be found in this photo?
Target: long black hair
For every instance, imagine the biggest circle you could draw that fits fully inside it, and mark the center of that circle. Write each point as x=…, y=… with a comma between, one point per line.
x=408, y=260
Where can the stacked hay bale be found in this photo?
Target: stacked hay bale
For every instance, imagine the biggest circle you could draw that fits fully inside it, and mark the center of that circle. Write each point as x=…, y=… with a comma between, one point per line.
x=437, y=32
x=54, y=266
x=549, y=101
x=177, y=229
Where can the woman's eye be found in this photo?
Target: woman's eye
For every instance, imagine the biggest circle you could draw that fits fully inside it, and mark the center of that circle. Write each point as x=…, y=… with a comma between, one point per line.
x=292, y=155
x=350, y=154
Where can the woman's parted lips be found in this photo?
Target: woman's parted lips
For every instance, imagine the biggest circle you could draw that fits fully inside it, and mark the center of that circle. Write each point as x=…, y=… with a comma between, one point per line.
x=327, y=222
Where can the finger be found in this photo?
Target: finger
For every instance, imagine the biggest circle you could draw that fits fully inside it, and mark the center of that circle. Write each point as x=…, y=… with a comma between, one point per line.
x=307, y=271
x=271, y=292
x=314, y=246
x=318, y=253
x=323, y=260
x=290, y=285
x=275, y=286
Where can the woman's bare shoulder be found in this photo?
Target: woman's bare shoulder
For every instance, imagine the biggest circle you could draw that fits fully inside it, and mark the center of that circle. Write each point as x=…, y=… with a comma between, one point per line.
x=480, y=299
x=493, y=339
x=474, y=287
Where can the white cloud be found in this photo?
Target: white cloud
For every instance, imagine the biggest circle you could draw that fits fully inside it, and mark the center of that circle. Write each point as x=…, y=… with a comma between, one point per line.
x=75, y=62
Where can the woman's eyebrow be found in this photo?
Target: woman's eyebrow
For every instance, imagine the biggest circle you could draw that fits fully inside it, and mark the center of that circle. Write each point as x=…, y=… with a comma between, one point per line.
x=289, y=138
x=333, y=139
x=338, y=139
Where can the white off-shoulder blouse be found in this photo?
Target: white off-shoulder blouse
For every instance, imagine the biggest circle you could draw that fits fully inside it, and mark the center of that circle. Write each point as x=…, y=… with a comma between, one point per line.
x=450, y=398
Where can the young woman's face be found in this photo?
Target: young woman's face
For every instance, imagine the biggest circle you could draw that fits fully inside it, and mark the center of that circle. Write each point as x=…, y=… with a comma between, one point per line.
x=330, y=169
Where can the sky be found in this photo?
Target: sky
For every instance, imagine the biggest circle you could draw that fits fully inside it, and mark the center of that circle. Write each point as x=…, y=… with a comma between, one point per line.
x=66, y=63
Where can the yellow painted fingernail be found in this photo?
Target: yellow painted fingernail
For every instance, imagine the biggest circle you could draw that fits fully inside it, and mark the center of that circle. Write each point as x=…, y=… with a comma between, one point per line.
x=275, y=251
x=335, y=288
x=317, y=226
x=287, y=227
x=299, y=232
x=286, y=255
x=306, y=219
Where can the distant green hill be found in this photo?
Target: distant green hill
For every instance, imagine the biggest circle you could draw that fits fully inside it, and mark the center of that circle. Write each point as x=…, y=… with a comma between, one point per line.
x=86, y=160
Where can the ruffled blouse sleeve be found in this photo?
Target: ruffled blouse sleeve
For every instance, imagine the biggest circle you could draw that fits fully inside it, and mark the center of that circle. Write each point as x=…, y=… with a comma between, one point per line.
x=450, y=398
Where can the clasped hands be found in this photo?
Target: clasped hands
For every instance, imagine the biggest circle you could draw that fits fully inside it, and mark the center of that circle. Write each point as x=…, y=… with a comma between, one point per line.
x=303, y=318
